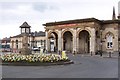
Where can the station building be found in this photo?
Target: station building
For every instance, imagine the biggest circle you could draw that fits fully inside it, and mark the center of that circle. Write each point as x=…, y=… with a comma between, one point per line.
x=83, y=35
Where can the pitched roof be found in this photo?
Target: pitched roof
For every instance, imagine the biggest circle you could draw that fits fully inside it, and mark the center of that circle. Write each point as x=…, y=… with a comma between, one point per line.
x=25, y=25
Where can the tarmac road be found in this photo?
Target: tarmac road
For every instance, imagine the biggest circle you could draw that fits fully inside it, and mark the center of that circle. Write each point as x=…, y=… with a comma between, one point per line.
x=83, y=67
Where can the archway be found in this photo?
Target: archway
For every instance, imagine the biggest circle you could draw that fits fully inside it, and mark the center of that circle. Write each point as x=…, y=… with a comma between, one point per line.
x=84, y=42
x=68, y=41
x=53, y=37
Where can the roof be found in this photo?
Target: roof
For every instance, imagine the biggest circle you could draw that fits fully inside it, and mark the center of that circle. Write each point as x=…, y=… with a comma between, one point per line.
x=25, y=25
x=19, y=35
x=6, y=39
x=81, y=21
x=72, y=21
x=35, y=34
x=111, y=21
x=40, y=33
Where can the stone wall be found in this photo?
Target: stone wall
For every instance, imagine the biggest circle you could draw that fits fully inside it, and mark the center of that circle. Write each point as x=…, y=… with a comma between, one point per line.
x=112, y=28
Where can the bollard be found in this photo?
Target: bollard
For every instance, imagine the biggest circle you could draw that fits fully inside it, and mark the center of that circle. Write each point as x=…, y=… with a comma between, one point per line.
x=119, y=53
x=59, y=52
x=91, y=53
x=74, y=53
x=100, y=53
x=110, y=55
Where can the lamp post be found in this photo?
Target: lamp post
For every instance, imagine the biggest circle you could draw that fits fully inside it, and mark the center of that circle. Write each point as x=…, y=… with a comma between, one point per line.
x=101, y=42
x=101, y=39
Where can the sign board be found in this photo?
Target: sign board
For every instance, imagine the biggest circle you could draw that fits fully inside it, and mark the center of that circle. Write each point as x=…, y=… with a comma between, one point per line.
x=66, y=25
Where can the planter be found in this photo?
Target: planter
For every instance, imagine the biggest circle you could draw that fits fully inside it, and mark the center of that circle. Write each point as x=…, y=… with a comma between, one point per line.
x=37, y=63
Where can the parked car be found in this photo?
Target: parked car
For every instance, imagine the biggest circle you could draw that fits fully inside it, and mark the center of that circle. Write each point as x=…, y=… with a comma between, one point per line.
x=36, y=48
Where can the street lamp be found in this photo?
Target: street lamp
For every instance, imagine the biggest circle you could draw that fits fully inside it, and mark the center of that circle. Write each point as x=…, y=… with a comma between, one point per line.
x=101, y=38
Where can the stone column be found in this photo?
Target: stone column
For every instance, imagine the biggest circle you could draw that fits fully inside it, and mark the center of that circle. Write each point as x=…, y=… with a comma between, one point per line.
x=92, y=41
x=48, y=44
x=47, y=40
x=74, y=41
x=62, y=43
x=60, y=40
x=77, y=44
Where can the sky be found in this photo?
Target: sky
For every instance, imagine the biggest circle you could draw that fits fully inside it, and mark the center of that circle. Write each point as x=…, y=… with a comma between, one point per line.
x=13, y=13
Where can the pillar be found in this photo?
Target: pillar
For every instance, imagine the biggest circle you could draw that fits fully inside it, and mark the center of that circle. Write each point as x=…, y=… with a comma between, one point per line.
x=74, y=41
x=60, y=40
x=92, y=41
x=77, y=44
x=47, y=41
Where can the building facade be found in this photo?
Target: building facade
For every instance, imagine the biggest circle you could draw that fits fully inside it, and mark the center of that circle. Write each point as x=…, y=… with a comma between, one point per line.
x=35, y=39
x=84, y=35
x=5, y=45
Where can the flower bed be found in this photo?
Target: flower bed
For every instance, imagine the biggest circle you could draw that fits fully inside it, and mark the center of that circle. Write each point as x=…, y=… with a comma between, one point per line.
x=33, y=58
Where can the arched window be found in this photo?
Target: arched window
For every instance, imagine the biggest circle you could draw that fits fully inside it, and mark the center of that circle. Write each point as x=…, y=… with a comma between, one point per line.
x=12, y=44
x=41, y=42
x=16, y=44
x=109, y=40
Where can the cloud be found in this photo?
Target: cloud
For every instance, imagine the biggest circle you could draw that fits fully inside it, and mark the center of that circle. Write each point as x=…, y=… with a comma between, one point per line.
x=38, y=12
x=40, y=7
x=45, y=6
x=14, y=11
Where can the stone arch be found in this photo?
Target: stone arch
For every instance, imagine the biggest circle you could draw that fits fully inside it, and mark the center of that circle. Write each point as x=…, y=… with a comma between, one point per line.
x=53, y=41
x=50, y=32
x=82, y=30
x=68, y=41
x=109, y=33
x=83, y=41
x=66, y=31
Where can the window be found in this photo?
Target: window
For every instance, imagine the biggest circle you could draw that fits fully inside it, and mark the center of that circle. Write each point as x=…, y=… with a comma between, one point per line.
x=23, y=30
x=16, y=44
x=41, y=42
x=27, y=30
x=109, y=41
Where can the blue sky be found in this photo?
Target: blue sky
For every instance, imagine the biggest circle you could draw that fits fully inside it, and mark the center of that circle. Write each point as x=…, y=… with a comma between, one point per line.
x=37, y=12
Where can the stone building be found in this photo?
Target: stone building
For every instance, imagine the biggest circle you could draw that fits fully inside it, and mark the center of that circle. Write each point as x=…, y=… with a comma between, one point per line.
x=84, y=35
x=35, y=39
